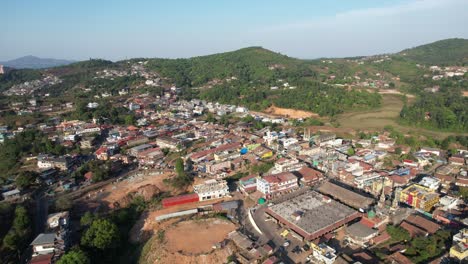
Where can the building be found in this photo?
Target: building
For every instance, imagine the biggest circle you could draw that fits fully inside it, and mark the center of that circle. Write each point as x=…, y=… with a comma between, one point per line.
x=324, y=253
x=167, y=142
x=419, y=197
x=430, y=182
x=459, y=249
x=323, y=139
x=211, y=189
x=248, y=184
x=43, y=244
x=311, y=215
x=283, y=165
x=275, y=183
x=309, y=176
x=346, y=196
x=181, y=199
x=13, y=194
x=361, y=234
x=46, y=162
x=42, y=259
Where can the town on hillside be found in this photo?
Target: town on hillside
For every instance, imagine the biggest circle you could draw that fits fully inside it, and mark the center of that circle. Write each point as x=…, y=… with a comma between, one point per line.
x=188, y=180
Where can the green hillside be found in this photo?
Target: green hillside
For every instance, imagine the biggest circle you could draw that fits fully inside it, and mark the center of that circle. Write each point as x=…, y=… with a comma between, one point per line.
x=253, y=63
x=443, y=52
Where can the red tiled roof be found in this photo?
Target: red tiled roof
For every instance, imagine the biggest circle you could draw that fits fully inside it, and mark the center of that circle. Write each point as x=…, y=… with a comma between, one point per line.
x=310, y=174
x=399, y=258
x=42, y=259
x=381, y=238
x=412, y=230
x=280, y=177
x=423, y=223
x=203, y=153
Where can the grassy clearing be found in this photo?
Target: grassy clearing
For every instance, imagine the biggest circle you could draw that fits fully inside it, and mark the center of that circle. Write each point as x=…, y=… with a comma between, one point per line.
x=387, y=114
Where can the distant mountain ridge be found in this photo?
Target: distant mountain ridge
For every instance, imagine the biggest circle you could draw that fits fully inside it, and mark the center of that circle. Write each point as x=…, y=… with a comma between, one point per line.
x=442, y=52
x=32, y=62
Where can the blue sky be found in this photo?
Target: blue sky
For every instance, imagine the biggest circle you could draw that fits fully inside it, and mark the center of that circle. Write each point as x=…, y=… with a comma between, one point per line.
x=117, y=29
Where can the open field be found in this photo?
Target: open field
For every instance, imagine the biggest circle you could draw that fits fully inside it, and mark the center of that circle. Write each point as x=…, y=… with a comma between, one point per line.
x=198, y=242
x=175, y=246
x=376, y=118
x=290, y=113
x=387, y=114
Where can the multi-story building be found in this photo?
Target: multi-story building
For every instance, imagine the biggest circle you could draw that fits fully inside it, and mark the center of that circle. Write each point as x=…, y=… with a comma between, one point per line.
x=284, y=165
x=272, y=184
x=46, y=162
x=459, y=248
x=419, y=197
x=167, y=142
x=211, y=189
x=430, y=182
x=324, y=253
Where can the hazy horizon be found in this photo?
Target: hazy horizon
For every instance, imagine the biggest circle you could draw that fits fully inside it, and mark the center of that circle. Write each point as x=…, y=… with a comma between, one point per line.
x=117, y=30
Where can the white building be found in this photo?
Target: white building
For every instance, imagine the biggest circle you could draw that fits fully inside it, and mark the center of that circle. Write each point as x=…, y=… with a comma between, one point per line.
x=323, y=253
x=43, y=244
x=430, y=182
x=211, y=189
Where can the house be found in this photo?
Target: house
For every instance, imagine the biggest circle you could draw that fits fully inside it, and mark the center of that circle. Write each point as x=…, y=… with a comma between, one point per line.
x=13, y=194
x=433, y=151
x=47, y=162
x=275, y=183
x=427, y=225
x=58, y=220
x=457, y=160
x=398, y=258
x=42, y=259
x=248, y=184
x=309, y=176
x=430, y=182
x=324, y=253
x=44, y=244
x=211, y=189
x=459, y=249
x=167, y=142
x=361, y=234
x=284, y=165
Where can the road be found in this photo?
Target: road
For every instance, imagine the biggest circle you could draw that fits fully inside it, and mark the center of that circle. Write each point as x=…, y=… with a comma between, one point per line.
x=271, y=234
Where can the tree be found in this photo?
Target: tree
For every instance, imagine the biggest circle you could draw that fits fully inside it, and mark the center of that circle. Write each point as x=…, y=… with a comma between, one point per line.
x=25, y=179
x=397, y=233
x=74, y=257
x=12, y=240
x=87, y=219
x=63, y=203
x=398, y=150
x=130, y=120
x=350, y=152
x=102, y=234
x=179, y=167
x=22, y=222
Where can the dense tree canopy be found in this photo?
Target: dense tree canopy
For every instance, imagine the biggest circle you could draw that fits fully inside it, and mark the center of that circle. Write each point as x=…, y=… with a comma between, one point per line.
x=102, y=234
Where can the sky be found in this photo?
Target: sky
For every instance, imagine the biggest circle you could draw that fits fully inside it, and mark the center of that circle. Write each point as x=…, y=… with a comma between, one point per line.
x=119, y=29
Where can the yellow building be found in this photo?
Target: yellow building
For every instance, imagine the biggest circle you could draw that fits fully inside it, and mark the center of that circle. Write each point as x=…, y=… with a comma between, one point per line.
x=459, y=249
x=419, y=197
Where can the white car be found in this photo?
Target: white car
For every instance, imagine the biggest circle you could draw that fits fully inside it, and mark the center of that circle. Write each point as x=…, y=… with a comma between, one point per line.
x=286, y=244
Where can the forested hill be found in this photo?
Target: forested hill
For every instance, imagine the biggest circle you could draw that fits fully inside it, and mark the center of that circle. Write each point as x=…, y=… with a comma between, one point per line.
x=444, y=52
x=253, y=63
